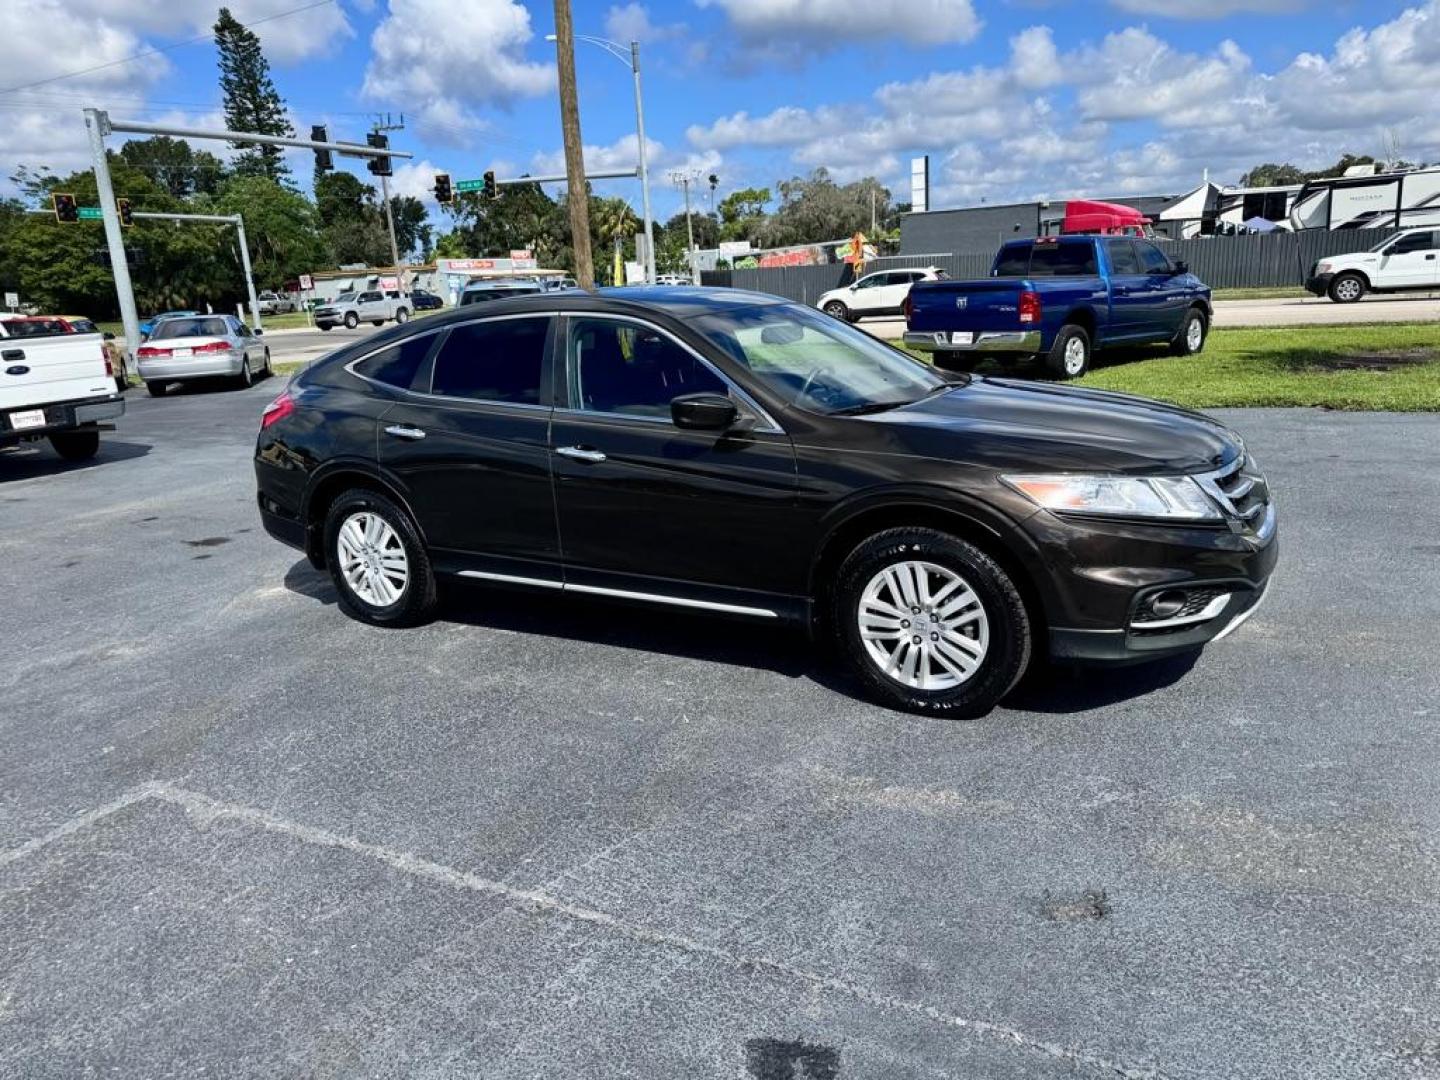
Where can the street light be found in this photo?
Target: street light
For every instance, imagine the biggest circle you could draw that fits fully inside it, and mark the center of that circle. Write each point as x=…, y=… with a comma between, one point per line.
x=631, y=57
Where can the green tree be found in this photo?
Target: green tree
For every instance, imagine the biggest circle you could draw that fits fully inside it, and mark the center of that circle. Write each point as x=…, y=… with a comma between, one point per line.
x=814, y=209
x=251, y=100
x=522, y=217
x=412, y=225
x=614, y=225
x=742, y=213
x=174, y=165
x=282, y=226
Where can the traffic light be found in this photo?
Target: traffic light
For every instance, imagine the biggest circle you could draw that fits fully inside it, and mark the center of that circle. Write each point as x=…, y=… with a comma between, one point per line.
x=489, y=191
x=65, y=208
x=380, y=166
x=323, y=161
x=443, y=192
x=126, y=217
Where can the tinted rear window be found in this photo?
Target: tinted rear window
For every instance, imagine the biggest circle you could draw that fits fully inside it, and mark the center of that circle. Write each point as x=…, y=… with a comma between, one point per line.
x=498, y=360
x=398, y=364
x=1013, y=261
x=183, y=328
x=1062, y=260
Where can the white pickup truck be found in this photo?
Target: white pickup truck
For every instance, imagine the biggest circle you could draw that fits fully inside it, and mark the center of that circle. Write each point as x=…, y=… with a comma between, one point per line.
x=55, y=385
x=377, y=306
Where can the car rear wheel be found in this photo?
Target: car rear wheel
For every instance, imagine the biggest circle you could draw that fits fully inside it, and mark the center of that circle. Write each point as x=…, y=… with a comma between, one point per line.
x=76, y=445
x=377, y=561
x=1069, y=356
x=1347, y=288
x=245, y=379
x=835, y=309
x=268, y=369
x=930, y=623
x=157, y=388
x=1191, y=338
x=351, y=321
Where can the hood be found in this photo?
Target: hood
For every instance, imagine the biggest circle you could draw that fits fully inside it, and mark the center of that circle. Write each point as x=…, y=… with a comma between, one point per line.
x=1044, y=427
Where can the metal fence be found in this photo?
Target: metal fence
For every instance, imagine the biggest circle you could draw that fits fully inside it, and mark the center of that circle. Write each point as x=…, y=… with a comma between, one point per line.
x=1222, y=262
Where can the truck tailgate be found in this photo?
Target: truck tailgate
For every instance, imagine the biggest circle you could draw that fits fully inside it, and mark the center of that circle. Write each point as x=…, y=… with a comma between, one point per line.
x=979, y=305
x=38, y=370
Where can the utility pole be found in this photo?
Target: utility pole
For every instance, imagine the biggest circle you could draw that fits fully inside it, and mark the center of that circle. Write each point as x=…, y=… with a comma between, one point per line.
x=385, y=194
x=644, y=167
x=685, y=179
x=579, y=196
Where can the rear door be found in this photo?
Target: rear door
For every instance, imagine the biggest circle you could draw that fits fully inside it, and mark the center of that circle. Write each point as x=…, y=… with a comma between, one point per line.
x=469, y=442
x=1410, y=262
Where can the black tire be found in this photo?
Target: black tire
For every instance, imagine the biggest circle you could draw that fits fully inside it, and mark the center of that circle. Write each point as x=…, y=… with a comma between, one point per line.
x=351, y=320
x=246, y=378
x=1352, y=289
x=836, y=310
x=402, y=316
x=1184, y=343
x=76, y=445
x=267, y=370
x=121, y=384
x=327, y=328
x=416, y=603
x=157, y=388
x=377, y=322
x=1009, y=646
x=1060, y=362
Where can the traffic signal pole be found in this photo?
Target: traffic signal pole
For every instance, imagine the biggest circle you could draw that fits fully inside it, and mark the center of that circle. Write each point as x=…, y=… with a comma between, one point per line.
x=220, y=219
x=98, y=126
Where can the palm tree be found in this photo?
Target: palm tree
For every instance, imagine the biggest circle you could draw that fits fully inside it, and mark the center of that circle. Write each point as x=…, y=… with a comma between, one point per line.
x=614, y=221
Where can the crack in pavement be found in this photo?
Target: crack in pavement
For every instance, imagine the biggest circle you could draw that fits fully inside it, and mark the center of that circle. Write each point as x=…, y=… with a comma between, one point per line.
x=204, y=809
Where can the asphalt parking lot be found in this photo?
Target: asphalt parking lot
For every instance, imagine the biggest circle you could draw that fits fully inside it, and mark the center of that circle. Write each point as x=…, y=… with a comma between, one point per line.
x=243, y=835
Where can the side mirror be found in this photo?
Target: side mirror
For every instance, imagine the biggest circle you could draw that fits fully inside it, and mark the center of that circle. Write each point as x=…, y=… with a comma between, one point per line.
x=703, y=412
x=257, y=331
x=1181, y=266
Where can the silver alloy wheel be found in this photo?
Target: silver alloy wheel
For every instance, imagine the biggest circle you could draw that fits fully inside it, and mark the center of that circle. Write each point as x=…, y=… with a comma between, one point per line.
x=1347, y=289
x=372, y=558
x=1195, y=334
x=245, y=377
x=1075, y=356
x=923, y=626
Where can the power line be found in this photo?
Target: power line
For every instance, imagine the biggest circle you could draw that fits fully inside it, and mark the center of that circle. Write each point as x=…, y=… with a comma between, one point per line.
x=159, y=50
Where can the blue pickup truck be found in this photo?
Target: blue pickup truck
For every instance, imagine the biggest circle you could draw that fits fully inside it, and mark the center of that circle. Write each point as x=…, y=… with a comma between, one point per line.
x=1059, y=298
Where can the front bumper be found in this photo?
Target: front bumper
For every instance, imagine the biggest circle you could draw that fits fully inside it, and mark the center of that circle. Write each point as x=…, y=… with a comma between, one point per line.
x=1013, y=342
x=65, y=415
x=190, y=367
x=1110, y=573
x=1319, y=284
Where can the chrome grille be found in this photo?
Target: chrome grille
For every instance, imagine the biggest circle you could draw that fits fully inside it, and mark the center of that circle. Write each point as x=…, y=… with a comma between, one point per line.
x=1243, y=495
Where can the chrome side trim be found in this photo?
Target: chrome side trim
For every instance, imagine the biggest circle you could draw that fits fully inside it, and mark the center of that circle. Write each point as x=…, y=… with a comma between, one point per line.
x=1242, y=618
x=623, y=594
x=1211, y=610
x=513, y=579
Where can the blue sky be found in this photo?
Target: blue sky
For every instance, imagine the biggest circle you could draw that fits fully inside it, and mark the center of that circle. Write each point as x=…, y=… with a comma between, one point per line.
x=1012, y=99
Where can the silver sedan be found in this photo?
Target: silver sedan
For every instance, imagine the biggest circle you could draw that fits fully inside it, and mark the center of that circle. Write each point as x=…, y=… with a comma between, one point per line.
x=201, y=347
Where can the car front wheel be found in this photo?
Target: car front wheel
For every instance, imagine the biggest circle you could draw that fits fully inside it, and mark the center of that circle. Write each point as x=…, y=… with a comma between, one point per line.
x=930, y=623
x=1347, y=288
x=1191, y=338
x=352, y=321
x=377, y=561
x=836, y=310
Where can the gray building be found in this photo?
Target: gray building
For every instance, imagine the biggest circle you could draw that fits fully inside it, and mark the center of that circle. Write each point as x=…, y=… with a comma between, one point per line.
x=973, y=230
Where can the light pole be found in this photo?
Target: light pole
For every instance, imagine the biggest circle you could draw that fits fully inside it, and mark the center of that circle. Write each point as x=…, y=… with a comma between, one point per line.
x=631, y=56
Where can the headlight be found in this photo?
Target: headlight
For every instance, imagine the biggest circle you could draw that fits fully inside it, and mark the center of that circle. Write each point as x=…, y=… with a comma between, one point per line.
x=1322, y=267
x=1176, y=498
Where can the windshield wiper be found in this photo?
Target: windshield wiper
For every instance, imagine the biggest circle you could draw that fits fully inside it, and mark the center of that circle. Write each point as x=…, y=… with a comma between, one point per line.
x=869, y=407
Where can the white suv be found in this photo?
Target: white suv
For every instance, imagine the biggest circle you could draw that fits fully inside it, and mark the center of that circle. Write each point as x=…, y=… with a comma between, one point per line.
x=880, y=293
x=1409, y=260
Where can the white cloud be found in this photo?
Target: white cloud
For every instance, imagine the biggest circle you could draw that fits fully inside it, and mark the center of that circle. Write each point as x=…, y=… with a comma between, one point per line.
x=1134, y=75
x=295, y=36
x=624, y=154
x=1034, y=60
x=631, y=22
x=816, y=24
x=1208, y=9
x=430, y=59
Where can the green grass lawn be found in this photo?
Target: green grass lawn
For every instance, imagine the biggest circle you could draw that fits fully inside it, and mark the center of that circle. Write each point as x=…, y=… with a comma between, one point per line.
x=1390, y=366
x=1280, y=292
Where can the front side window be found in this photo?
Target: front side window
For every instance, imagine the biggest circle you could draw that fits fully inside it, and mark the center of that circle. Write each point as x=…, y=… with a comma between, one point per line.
x=498, y=360
x=871, y=282
x=818, y=363
x=1152, y=258
x=1421, y=241
x=397, y=364
x=366, y=298
x=625, y=368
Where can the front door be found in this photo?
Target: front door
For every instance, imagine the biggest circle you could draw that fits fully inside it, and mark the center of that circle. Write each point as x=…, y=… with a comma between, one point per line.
x=697, y=517
x=1165, y=299
x=370, y=306
x=1410, y=262
x=1129, y=290
x=869, y=295
x=470, y=445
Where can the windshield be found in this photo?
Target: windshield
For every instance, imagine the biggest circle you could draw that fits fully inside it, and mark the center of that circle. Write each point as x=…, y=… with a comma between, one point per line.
x=187, y=328
x=817, y=362
x=344, y=298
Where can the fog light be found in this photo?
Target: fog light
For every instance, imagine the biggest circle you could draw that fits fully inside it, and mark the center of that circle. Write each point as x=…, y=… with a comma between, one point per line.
x=1167, y=605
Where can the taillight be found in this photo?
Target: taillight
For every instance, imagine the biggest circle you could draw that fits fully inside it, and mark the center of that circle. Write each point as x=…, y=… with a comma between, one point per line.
x=151, y=350
x=1029, y=307
x=214, y=346
x=278, y=409
x=908, y=307
x=109, y=367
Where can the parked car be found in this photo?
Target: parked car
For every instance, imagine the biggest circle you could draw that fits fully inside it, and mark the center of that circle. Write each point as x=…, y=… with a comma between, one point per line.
x=880, y=293
x=425, y=301
x=1407, y=261
x=480, y=292
x=1059, y=299
x=736, y=454
x=201, y=347
x=147, y=326
x=55, y=384
x=271, y=303
x=673, y=279
x=556, y=284
x=79, y=324
x=373, y=305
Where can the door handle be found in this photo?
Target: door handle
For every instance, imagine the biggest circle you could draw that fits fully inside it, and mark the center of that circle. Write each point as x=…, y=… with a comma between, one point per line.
x=400, y=431
x=13, y=354
x=581, y=453
x=1430, y=257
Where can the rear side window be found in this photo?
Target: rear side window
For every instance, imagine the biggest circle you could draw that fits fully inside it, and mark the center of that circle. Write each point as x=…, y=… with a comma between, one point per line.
x=499, y=360
x=398, y=364
x=1063, y=260
x=1123, y=259
x=1013, y=261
